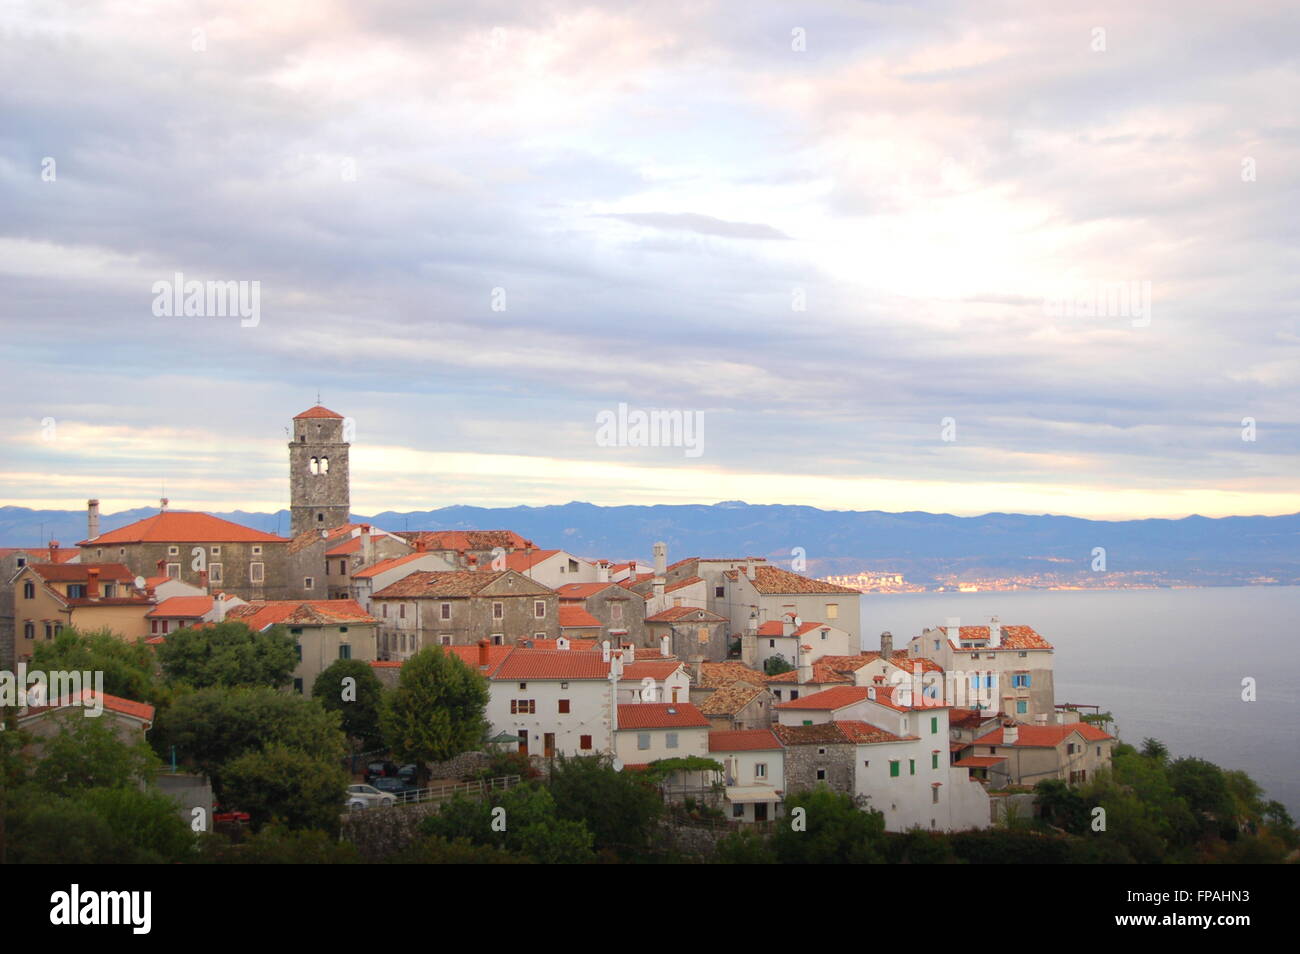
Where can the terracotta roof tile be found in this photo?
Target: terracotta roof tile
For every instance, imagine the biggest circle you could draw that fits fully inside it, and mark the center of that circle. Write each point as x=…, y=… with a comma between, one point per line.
x=660, y=715
x=180, y=526
x=1043, y=736
x=258, y=615
x=773, y=579
x=675, y=614
x=828, y=699
x=317, y=412
x=743, y=740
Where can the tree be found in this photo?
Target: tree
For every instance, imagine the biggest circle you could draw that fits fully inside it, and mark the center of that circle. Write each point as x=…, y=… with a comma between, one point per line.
x=212, y=727
x=436, y=711
x=274, y=845
x=1155, y=749
x=775, y=665
x=147, y=825
x=285, y=786
x=128, y=667
x=87, y=753
x=522, y=820
x=228, y=654
x=357, y=702
x=744, y=847
x=831, y=829
x=1062, y=806
x=619, y=808
x=96, y=826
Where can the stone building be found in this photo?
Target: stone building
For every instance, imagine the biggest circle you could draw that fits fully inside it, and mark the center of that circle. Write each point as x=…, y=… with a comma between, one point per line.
x=460, y=607
x=199, y=549
x=319, y=492
x=325, y=631
x=692, y=632
x=817, y=755
x=620, y=611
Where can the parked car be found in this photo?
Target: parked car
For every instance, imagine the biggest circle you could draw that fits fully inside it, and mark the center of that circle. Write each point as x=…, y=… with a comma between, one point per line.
x=395, y=787
x=367, y=796
x=380, y=770
x=408, y=774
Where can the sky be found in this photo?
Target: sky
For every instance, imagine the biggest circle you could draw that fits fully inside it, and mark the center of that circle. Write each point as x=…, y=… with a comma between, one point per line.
x=852, y=243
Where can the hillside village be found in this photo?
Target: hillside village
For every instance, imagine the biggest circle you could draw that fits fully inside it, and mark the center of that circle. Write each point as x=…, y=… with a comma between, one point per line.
x=735, y=659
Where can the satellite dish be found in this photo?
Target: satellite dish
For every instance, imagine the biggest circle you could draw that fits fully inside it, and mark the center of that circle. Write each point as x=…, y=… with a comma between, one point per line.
x=140, y=582
x=797, y=622
x=618, y=764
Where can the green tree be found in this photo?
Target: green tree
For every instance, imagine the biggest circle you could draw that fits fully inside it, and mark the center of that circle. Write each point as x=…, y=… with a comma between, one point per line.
x=744, y=847
x=96, y=826
x=147, y=825
x=522, y=820
x=357, y=702
x=128, y=666
x=87, y=753
x=275, y=845
x=1154, y=749
x=619, y=808
x=228, y=654
x=212, y=727
x=436, y=710
x=1062, y=806
x=775, y=665
x=825, y=827
x=285, y=786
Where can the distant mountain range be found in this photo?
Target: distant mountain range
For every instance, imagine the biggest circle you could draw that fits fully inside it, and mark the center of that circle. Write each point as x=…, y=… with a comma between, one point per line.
x=928, y=548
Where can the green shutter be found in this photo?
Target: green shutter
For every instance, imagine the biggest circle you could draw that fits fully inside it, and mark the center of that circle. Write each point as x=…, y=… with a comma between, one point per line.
x=934, y=760
x=893, y=769
x=934, y=724
x=911, y=766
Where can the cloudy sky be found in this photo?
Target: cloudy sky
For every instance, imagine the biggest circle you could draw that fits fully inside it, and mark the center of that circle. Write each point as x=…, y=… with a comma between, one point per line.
x=835, y=233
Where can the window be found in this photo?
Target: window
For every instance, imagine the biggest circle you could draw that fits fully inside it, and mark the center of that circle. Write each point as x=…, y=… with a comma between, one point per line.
x=214, y=572
x=401, y=610
x=308, y=583
x=825, y=633
x=643, y=740
x=498, y=639
x=936, y=644
x=22, y=562
x=1099, y=750
x=819, y=751
x=718, y=592
x=297, y=685
x=29, y=630
x=539, y=609
x=345, y=651
x=771, y=644
x=934, y=760
x=1022, y=654
x=296, y=630
x=257, y=551
x=809, y=722
x=153, y=626
x=385, y=606
x=893, y=768
x=343, y=567
x=174, y=571
x=794, y=694
x=444, y=640
x=616, y=612
x=1022, y=707
x=564, y=705
x=29, y=590
x=523, y=686
x=934, y=795
x=821, y=775
x=215, y=551
x=256, y=572
x=297, y=648
x=934, y=725
x=738, y=811
x=523, y=706
x=49, y=631
x=1020, y=681
x=173, y=551
x=584, y=742
x=832, y=610
x=498, y=610
x=911, y=766
x=672, y=740
x=760, y=770
x=99, y=553
x=444, y=611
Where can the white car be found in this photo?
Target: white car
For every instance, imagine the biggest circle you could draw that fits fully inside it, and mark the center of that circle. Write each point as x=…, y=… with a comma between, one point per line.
x=366, y=796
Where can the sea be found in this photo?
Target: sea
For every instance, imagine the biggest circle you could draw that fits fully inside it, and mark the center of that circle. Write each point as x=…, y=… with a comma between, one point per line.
x=1167, y=663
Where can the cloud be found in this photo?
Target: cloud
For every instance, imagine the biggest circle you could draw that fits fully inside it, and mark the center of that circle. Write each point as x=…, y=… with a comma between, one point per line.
x=701, y=224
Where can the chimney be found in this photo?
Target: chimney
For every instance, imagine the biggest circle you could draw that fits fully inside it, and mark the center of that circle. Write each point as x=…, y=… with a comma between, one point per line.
x=749, y=650
x=162, y=505
x=561, y=643
x=203, y=580
x=805, y=665
x=54, y=551
x=665, y=645
x=616, y=666
x=661, y=559
x=886, y=646
x=604, y=651
x=871, y=693
x=483, y=645
x=92, y=582
x=92, y=519
x=995, y=633
x=751, y=570
x=367, y=545
x=659, y=592
x=1010, y=733
x=162, y=567
x=789, y=624
x=219, y=607
x=602, y=572
x=697, y=670
x=629, y=652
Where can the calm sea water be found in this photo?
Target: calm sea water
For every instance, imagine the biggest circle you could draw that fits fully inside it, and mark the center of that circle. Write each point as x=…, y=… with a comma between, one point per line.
x=1166, y=663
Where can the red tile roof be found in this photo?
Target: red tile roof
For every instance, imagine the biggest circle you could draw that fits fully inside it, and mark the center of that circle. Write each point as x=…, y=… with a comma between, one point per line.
x=80, y=572
x=472, y=656
x=317, y=411
x=773, y=627
x=773, y=579
x=182, y=607
x=674, y=614
x=572, y=616
x=581, y=591
x=524, y=560
x=129, y=707
x=660, y=715
x=431, y=584
x=1013, y=638
x=463, y=540
x=657, y=669
x=716, y=675
x=828, y=699
x=979, y=761
x=1043, y=736
x=383, y=566
x=842, y=732
x=259, y=614
x=743, y=740
x=180, y=526
x=525, y=664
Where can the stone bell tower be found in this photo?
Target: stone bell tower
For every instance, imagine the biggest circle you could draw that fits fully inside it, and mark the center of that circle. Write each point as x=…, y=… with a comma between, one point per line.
x=318, y=471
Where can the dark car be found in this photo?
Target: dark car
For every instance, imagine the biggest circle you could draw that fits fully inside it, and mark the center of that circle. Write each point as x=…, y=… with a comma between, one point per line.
x=395, y=786
x=380, y=770
x=408, y=774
